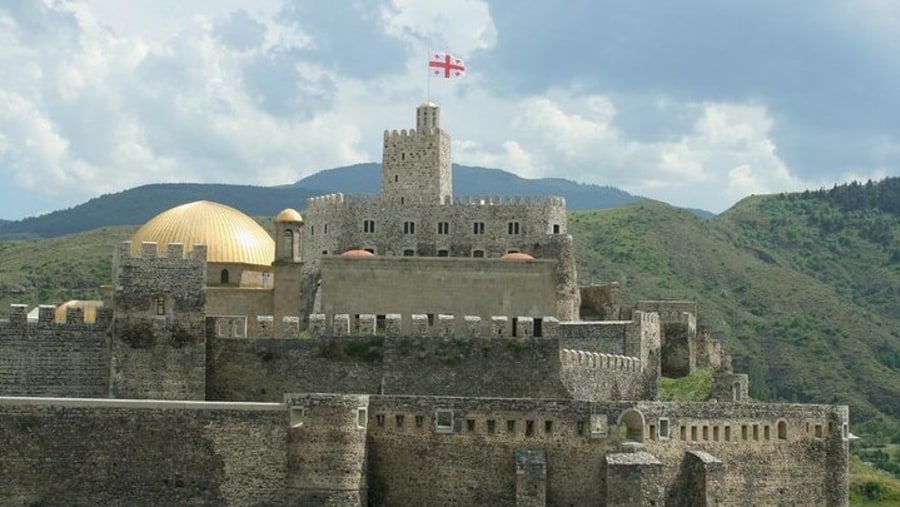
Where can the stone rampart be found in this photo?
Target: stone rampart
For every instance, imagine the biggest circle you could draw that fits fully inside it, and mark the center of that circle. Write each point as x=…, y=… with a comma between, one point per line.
x=142, y=453
x=433, y=325
x=601, y=377
x=46, y=358
x=434, y=451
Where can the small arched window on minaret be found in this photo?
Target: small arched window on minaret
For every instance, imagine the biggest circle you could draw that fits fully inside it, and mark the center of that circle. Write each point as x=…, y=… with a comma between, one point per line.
x=288, y=244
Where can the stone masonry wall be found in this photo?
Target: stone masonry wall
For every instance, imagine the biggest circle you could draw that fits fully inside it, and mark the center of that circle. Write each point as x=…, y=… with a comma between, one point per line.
x=46, y=358
x=158, y=348
x=141, y=453
x=601, y=377
x=438, y=451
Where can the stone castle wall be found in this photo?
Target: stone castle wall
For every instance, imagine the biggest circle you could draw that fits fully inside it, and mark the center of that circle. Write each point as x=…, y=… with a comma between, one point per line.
x=46, y=358
x=381, y=285
x=142, y=453
x=416, y=165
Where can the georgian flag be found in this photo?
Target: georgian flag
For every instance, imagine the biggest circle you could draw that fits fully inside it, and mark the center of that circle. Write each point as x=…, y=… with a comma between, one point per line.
x=446, y=65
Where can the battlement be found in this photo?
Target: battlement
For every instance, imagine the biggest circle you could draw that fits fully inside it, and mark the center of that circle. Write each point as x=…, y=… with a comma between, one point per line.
x=431, y=325
x=150, y=250
x=581, y=358
x=390, y=134
x=75, y=318
x=496, y=200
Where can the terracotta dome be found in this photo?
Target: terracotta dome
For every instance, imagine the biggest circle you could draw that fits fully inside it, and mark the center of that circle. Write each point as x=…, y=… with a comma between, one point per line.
x=356, y=252
x=288, y=215
x=229, y=235
x=517, y=256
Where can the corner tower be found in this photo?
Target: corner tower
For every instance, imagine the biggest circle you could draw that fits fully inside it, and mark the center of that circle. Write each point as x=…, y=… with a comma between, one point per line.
x=416, y=164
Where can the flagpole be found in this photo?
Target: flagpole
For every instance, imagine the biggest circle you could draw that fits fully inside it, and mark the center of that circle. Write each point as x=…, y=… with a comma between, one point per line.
x=428, y=77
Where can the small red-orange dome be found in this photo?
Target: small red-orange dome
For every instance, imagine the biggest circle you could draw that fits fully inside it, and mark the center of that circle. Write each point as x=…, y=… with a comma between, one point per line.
x=357, y=252
x=517, y=256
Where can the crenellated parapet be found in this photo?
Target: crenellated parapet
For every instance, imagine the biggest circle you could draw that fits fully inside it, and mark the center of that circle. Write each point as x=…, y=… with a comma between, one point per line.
x=75, y=319
x=583, y=359
x=496, y=200
x=440, y=326
x=150, y=250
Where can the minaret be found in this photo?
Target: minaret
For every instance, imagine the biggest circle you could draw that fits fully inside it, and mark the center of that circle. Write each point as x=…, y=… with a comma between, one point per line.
x=416, y=164
x=287, y=268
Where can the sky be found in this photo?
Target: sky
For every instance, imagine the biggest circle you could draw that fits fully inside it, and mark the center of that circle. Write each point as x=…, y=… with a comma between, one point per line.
x=698, y=103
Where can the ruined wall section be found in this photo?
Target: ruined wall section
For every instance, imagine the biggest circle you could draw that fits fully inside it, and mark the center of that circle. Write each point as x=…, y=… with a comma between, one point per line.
x=142, y=453
x=158, y=349
x=46, y=358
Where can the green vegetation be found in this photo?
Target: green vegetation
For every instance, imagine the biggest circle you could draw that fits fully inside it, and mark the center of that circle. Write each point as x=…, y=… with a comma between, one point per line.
x=870, y=487
x=695, y=387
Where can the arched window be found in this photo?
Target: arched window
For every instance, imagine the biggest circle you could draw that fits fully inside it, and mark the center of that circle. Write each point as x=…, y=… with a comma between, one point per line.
x=224, y=276
x=737, y=392
x=288, y=244
x=782, y=430
x=632, y=421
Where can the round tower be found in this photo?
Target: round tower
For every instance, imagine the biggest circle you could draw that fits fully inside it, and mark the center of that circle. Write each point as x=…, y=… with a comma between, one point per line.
x=288, y=226
x=327, y=449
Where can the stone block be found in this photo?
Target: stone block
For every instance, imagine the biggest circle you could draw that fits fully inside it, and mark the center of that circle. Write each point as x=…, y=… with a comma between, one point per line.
x=46, y=313
x=148, y=249
x=551, y=327
x=446, y=325
x=342, y=324
x=419, y=325
x=393, y=324
x=317, y=324
x=525, y=327
x=290, y=326
x=471, y=326
x=366, y=325
x=18, y=314
x=265, y=323
x=500, y=326
x=74, y=316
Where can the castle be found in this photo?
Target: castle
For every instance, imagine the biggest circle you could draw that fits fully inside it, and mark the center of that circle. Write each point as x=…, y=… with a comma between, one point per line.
x=409, y=348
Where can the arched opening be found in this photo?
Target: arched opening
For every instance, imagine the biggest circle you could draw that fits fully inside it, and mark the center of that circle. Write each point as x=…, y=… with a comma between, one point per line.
x=224, y=276
x=782, y=430
x=288, y=244
x=631, y=422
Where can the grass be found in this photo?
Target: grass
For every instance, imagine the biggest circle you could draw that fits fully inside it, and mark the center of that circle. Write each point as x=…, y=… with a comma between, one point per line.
x=870, y=487
x=695, y=387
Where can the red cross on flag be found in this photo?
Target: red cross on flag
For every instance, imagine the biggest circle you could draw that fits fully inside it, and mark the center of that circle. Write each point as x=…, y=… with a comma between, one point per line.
x=446, y=65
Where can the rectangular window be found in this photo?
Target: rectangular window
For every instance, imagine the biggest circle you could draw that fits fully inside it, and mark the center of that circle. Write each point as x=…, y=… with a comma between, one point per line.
x=443, y=253
x=548, y=426
x=470, y=425
x=579, y=427
x=510, y=426
x=362, y=417
x=743, y=432
x=555, y=228
x=409, y=227
x=478, y=254
x=529, y=428
x=379, y=418
x=326, y=229
x=663, y=428
x=160, y=305
x=491, y=425
x=818, y=431
x=420, y=420
x=706, y=433
x=694, y=433
x=766, y=435
x=728, y=433
x=399, y=420
x=755, y=432
x=512, y=227
x=369, y=226
x=683, y=432
x=444, y=421
x=652, y=432
x=409, y=252
x=443, y=227
x=478, y=228
x=715, y=433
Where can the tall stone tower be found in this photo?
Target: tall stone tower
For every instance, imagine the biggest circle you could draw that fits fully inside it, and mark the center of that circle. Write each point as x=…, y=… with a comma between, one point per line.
x=416, y=164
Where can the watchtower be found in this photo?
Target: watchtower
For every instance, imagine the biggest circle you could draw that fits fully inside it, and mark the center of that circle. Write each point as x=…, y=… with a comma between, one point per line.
x=416, y=164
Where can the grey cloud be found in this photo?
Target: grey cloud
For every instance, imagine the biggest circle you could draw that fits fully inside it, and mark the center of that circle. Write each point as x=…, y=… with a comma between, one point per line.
x=347, y=35
x=240, y=31
x=274, y=81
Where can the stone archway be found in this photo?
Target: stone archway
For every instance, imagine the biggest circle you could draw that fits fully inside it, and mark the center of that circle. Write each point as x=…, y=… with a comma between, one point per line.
x=632, y=421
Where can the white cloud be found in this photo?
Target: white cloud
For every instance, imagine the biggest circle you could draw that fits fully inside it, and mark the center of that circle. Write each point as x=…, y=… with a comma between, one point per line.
x=460, y=26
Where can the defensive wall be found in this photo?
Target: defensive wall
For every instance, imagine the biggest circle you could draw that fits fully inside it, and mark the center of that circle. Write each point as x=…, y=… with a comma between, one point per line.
x=317, y=449
x=467, y=356
x=46, y=358
x=415, y=164
x=382, y=285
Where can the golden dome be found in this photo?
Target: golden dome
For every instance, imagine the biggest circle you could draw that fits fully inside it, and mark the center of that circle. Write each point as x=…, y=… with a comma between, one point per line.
x=229, y=235
x=288, y=215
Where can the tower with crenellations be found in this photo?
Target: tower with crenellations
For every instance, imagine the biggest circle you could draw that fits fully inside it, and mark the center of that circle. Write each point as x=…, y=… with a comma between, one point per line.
x=416, y=163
